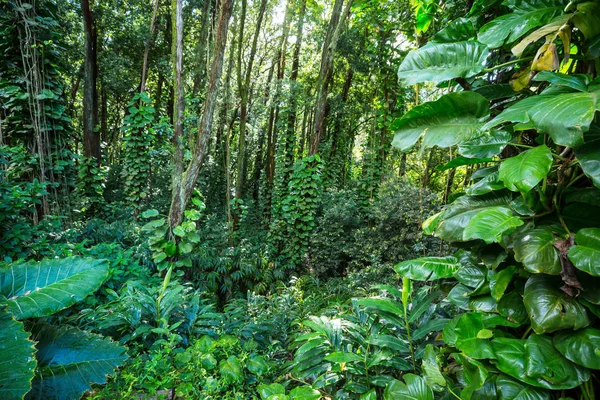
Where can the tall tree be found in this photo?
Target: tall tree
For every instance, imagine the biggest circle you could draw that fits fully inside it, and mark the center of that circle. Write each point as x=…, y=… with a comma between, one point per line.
x=91, y=138
x=184, y=183
x=147, y=47
x=179, y=100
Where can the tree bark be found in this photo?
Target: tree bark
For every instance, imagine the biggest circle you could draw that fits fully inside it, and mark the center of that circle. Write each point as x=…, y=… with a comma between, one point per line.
x=184, y=184
x=201, y=67
x=179, y=101
x=149, y=41
x=91, y=139
x=334, y=30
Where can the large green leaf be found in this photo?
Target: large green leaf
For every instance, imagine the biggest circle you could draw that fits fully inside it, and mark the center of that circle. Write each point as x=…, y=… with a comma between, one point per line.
x=526, y=15
x=415, y=388
x=69, y=360
x=41, y=289
x=581, y=347
x=257, y=365
x=231, y=370
x=428, y=268
x=431, y=370
x=588, y=154
x=438, y=62
x=549, y=308
x=523, y=172
x=457, y=215
x=451, y=119
x=489, y=225
x=470, y=336
x=265, y=391
x=511, y=389
x=586, y=254
x=474, y=374
x=17, y=359
x=459, y=30
x=552, y=370
x=487, y=145
x=304, y=393
x=534, y=248
x=578, y=82
x=565, y=116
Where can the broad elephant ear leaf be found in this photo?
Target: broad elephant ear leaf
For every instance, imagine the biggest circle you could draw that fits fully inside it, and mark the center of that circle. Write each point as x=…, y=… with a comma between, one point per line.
x=487, y=145
x=549, y=308
x=415, y=388
x=511, y=389
x=438, y=62
x=534, y=248
x=581, y=347
x=586, y=253
x=44, y=288
x=69, y=360
x=525, y=16
x=489, y=225
x=523, y=172
x=445, y=122
x=17, y=358
x=564, y=116
x=428, y=268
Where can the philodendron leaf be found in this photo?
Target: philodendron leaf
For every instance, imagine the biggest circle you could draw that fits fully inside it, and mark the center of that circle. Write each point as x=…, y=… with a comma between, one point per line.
x=582, y=347
x=438, y=62
x=578, y=82
x=489, y=225
x=565, y=117
x=468, y=338
x=428, y=268
x=266, y=391
x=304, y=393
x=549, y=308
x=17, y=358
x=457, y=215
x=257, y=365
x=589, y=154
x=536, y=251
x=511, y=389
x=523, y=172
x=487, y=145
x=431, y=370
x=474, y=374
x=69, y=360
x=456, y=31
x=551, y=369
x=43, y=288
x=461, y=161
x=415, y=388
x=451, y=119
x=526, y=15
x=586, y=254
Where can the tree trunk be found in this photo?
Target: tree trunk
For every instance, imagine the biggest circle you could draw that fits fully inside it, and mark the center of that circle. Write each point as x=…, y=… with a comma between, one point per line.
x=104, y=113
x=149, y=41
x=200, y=74
x=179, y=103
x=336, y=24
x=185, y=183
x=91, y=139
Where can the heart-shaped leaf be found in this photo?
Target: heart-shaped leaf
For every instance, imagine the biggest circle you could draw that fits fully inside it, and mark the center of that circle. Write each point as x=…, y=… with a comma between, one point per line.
x=489, y=225
x=415, y=388
x=582, y=347
x=487, y=145
x=586, y=253
x=445, y=122
x=511, y=389
x=523, y=172
x=428, y=268
x=534, y=248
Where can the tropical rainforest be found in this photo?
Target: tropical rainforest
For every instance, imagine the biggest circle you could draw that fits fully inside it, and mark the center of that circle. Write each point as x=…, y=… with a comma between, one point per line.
x=300, y=199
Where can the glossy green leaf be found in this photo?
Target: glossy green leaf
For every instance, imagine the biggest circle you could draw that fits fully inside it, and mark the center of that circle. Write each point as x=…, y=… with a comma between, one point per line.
x=552, y=370
x=438, y=62
x=461, y=161
x=17, y=358
x=534, y=248
x=415, y=388
x=523, y=172
x=304, y=393
x=370, y=395
x=69, y=360
x=339, y=357
x=588, y=154
x=231, y=370
x=474, y=374
x=457, y=215
x=487, y=145
x=450, y=120
x=582, y=347
x=511, y=307
x=388, y=341
x=266, y=391
x=549, y=308
x=511, y=389
x=468, y=341
x=586, y=254
x=459, y=30
x=525, y=15
x=499, y=281
x=41, y=289
x=490, y=224
x=428, y=268
x=565, y=117
x=257, y=365
x=578, y=82
x=431, y=370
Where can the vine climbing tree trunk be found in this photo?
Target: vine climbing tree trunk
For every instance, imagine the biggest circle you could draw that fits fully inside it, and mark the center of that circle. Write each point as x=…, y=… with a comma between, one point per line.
x=91, y=139
x=184, y=183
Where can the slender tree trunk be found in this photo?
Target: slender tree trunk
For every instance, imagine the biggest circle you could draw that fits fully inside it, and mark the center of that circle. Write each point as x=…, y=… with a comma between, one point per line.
x=185, y=183
x=159, y=92
x=104, y=113
x=149, y=41
x=201, y=70
x=336, y=24
x=260, y=157
x=91, y=139
x=179, y=103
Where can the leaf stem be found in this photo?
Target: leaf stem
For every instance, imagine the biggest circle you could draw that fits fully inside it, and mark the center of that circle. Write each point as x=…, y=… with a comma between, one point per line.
x=506, y=64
